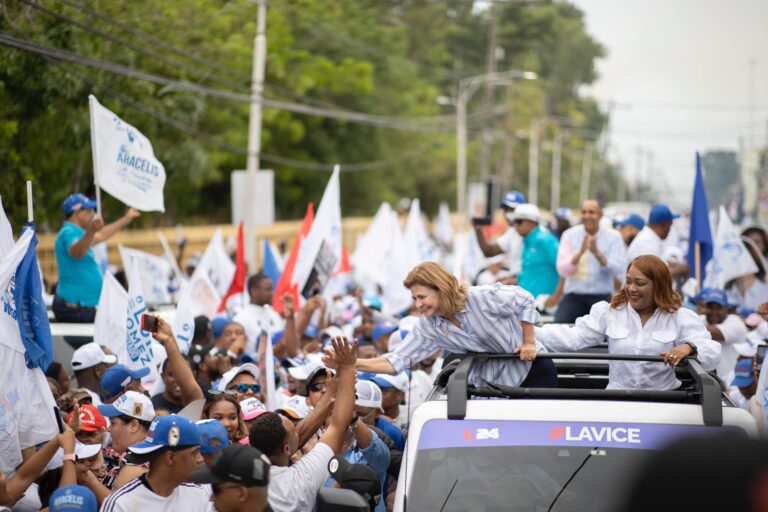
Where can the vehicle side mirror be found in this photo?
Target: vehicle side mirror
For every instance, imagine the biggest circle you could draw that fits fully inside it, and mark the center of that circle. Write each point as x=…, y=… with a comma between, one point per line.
x=330, y=499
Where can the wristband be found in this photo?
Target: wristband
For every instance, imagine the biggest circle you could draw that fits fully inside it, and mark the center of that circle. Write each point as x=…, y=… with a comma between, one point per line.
x=69, y=456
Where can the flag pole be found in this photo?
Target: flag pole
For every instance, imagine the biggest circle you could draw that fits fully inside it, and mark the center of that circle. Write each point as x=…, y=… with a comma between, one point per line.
x=30, y=217
x=697, y=262
x=91, y=100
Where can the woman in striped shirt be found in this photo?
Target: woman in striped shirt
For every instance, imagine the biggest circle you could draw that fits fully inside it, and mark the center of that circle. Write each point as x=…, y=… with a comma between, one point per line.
x=493, y=319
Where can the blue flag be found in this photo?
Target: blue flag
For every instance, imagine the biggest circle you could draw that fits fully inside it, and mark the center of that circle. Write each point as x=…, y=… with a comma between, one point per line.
x=270, y=264
x=31, y=313
x=700, y=231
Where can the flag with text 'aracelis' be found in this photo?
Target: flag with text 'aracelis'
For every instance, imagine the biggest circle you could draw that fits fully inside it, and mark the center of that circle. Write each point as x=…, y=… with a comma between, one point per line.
x=124, y=162
x=26, y=402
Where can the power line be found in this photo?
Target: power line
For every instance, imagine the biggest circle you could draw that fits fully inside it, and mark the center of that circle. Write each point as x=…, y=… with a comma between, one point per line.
x=124, y=42
x=425, y=124
x=280, y=160
x=629, y=104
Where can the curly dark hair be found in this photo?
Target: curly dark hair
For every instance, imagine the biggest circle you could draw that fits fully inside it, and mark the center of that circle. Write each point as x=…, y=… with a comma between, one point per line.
x=268, y=433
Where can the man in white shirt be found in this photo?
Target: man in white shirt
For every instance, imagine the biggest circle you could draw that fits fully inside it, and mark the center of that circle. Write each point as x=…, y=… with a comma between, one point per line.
x=172, y=447
x=258, y=317
x=510, y=243
x=294, y=486
x=725, y=327
x=650, y=239
x=588, y=258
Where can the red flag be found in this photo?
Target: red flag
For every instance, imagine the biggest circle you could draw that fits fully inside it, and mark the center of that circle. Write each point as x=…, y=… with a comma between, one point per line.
x=284, y=285
x=344, y=265
x=241, y=272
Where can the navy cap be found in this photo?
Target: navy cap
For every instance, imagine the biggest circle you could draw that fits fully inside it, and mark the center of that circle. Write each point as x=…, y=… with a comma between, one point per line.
x=744, y=374
x=213, y=436
x=77, y=202
x=632, y=219
x=118, y=377
x=660, y=213
x=73, y=497
x=715, y=295
x=168, y=432
x=512, y=199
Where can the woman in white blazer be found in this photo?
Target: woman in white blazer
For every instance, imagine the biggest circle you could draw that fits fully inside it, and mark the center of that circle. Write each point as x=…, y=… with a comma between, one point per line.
x=645, y=317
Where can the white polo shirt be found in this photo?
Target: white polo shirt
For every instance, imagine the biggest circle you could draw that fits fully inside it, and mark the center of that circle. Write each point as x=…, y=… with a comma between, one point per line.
x=137, y=496
x=295, y=487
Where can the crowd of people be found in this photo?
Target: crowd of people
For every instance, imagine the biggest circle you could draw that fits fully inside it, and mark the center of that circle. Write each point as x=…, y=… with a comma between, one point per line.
x=210, y=433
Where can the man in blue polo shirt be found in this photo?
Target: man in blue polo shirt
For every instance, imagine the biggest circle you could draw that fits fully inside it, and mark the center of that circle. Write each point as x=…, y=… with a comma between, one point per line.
x=79, y=275
x=539, y=269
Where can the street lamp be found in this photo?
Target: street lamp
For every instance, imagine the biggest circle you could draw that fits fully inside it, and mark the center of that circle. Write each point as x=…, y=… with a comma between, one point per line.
x=467, y=87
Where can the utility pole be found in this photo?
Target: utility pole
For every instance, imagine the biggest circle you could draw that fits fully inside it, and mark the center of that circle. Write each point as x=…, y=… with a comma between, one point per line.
x=533, y=162
x=586, y=171
x=488, y=93
x=254, y=130
x=554, y=200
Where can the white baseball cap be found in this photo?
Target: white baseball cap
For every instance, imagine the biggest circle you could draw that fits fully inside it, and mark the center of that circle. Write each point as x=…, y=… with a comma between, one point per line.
x=131, y=403
x=230, y=375
x=90, y=355
x=527, y=211
x=368, y=394
x=296, y=407
x=85, y=451
x=399, y=381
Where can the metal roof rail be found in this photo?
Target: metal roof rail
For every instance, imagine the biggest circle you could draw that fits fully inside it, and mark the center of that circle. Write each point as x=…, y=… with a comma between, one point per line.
x=454, y=378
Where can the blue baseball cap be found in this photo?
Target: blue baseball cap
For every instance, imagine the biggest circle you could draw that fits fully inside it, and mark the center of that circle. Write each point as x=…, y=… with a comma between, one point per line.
x=632, y=219
x=715, y=295
x=563, y=213
x=77, y=202
x=512, y=199
x=118, y=377
x=382, y=329
x=170, y=431
x=218, y=323
x=73, y=497
x=213, y=436
x=744, y=374
x=660, y=213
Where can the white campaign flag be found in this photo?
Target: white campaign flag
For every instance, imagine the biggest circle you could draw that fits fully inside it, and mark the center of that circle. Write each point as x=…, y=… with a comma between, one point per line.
x=730, y=259
x=202, y=298
x=154, y=271
x=372, y=252
x=217, y=264
x=320, y=252
x=124, y=161
x=184, y=321
x=138, y=343
x=443, y=227
x=109, y=327
x=26, y=402
x=180, y=278
x=419, y=247
x=397, y=297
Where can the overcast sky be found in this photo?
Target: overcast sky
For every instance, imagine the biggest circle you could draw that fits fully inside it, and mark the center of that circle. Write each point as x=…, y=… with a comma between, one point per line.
x=678, y=72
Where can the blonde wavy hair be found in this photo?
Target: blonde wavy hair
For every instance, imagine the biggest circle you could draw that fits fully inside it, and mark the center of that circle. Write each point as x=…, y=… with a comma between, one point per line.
x=453, y=296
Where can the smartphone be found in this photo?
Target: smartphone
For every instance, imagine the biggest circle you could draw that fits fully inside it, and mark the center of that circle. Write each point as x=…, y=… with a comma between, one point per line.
x=148, y=323
x=59, y=422
x=481, y=221
x=760, y=355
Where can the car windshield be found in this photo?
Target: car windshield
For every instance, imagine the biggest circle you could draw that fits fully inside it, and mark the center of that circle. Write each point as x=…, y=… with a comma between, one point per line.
x=521, y=478
x=532, y=465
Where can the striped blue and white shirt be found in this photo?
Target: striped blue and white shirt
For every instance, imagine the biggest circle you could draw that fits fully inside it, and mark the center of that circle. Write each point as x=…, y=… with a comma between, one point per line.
x=490, y=322
x=589, y=277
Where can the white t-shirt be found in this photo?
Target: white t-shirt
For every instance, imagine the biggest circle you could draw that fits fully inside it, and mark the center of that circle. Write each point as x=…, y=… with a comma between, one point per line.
x=295, y=487
x=255, y=319
x=136, y=496
x=646, y=242
x=512, y=244
x=734, y=331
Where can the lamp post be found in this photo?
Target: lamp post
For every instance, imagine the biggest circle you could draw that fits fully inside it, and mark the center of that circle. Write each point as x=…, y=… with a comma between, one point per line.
x=467, y=87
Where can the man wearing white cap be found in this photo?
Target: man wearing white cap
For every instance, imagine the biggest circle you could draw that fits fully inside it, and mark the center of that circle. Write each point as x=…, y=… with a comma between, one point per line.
x=368, y=408
x=130, y=417
x=538, y=273
x=89, y=362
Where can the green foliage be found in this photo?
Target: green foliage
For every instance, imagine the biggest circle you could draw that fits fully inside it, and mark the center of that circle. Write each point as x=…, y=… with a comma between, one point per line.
x=389, y=58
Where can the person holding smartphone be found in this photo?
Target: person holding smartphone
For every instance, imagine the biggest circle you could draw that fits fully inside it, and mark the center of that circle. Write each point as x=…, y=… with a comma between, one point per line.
x=510, y=243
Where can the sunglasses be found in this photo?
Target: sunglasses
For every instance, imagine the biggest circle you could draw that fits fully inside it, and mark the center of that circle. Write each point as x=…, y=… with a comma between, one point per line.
x=318, y=387
x=244, y=388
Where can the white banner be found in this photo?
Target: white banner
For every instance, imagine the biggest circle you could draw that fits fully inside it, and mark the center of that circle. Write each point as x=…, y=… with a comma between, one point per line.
x=109, y=327
x=419, y=247
x=184, y=321
x=124, y=161
x=26, y=403
x=154, y=272
x=443, y=227
x=202, y=296
x=217, y=265
x=730, y=259
x=138, y=343
x=396, y=296
x=323, y=243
